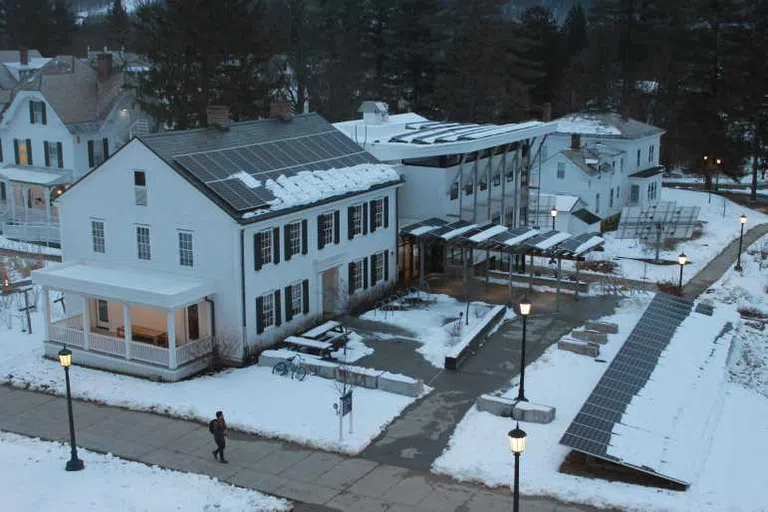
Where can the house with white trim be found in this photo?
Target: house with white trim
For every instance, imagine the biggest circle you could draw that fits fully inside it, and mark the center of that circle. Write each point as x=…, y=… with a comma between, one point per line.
x=608, y=161
x=571, y=214
x=233, y=236
x=60, y=121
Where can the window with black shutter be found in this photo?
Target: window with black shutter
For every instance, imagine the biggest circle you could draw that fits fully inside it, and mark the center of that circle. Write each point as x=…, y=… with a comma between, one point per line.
x=305, y=295
x=278, y=315
x=257, y=251
x=364, y=207
x=351, y=277
x=336, y=227
x=276, y=241
x=304, y=236
x=386, y=266
x=46, y=154
x=386, y=212
x=91, y=160
x=29, y=152
x=365, y=273
x=287, y=229
x=59, y=153
x=350, y=223
x=320, y=232
x=288, y=303
x=16, y=152
x=259, y=315
x=1, y=150
x=373, y=270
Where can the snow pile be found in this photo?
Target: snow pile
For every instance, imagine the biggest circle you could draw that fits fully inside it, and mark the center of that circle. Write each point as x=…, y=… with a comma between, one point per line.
x=585, y=125
x=34, y=479
x=307, y=187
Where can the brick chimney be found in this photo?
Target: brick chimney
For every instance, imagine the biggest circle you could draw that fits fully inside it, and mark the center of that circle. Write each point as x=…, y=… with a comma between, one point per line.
x=104, y=65
x=575, y=141
x=546, y=112
x=24, y=56
x=218, y=116
x=282, y=110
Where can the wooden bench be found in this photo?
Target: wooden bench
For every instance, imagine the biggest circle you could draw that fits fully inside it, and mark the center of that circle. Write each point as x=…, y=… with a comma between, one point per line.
x=145, y=334
x=300, y=344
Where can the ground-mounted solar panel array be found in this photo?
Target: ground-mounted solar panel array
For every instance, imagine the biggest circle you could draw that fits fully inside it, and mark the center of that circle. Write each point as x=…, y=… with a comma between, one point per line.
x=664, y=217
x=591, y=430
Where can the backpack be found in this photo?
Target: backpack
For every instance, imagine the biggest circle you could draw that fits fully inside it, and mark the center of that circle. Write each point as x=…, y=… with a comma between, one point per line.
x=211, y=426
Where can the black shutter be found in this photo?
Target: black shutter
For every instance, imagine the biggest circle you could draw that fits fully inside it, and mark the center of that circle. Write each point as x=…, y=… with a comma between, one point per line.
x=351, y=277
x=278, y=313
x=276, y=241
x=350, y=228
x=31, y=112
x=257, y=251
x=304, y=237
x=305, y=295
x=16, y=150
x=259, y=315
x=287, y=239
x=373, y=269
x=365, y=273
x=60, y=153
x=90, y=153
x=386, y=211
x=29, y=151
x=364, y=207
x=288, y=299
x=105, y=142
x=386, y=266
x=320, y=229
x=1, y=150
x=372, y=207
x=45, y=117
x=45, y=152
x=336, y=227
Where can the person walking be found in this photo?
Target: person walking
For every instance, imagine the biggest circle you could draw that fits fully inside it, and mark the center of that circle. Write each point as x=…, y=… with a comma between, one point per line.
x=218, y=428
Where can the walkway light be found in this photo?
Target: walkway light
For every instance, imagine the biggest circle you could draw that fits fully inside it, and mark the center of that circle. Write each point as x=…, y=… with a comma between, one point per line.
x=517, y=445
x=525, y=309
x=682, y=259
x=553, y=213
x=743, y=220
x=74, y=463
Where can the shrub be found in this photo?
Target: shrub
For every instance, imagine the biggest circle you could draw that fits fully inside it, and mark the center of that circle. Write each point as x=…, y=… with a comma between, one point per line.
x=601, y=266
x=752, y=312
x=610, y=223
x=670, y=287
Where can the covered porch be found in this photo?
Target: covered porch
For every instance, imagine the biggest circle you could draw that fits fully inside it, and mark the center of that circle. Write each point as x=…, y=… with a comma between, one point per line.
x=145, y=323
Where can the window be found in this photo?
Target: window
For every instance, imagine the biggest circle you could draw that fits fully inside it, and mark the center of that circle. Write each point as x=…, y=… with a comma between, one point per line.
x=23, y=150
x=142, y=242
x=377, y=213
x=634, y=194
x=455, y=191
x=610, y=200
x=597, y=203
x=356, y=223
x=327, y=229
x=357, y=275
x=53, y=154
x=621, y=164
x=266, y=246
x=1, y=150
x=102, y=313
x=618, y=193
x=651, y=150
x=37, y=112
x=98, y=151
x=293, y=239
x=378, y=267
x=483, y=184
x=97, y=236
x=186, y=257
x=496, y=179
x=468, y=189
x=3, y=192
x=297, y=299
x=652, y=191
x=560, y=170
x=267, y=310
x=638, y=158
x=140, y=187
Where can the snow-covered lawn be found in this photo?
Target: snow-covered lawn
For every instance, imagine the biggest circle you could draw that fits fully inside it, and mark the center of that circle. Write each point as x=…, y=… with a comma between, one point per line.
x=253, y=398
x=33, y=478
x=727, y=467
x=439, y=325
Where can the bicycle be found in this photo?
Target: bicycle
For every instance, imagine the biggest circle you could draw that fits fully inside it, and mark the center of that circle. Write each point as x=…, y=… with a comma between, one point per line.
x=297, y=370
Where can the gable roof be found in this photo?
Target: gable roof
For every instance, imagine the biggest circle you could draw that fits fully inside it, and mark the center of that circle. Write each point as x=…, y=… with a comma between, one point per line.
x=586, y=216
x=258, y=167
x=608, y=124
x=647, y=173
x=585, y=159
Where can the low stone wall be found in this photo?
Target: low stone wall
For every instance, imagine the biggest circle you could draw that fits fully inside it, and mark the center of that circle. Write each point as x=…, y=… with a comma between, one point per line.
x=463, y=350
x=605, y=327
x=583, y=348
x=520, y=411
x=591, y=336
x=400, y=384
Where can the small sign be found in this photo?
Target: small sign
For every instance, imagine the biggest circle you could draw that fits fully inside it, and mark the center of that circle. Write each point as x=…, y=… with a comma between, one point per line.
x=346, y=403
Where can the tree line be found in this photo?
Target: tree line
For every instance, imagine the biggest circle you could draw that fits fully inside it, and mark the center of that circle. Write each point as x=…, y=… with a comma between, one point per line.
x=696, y=68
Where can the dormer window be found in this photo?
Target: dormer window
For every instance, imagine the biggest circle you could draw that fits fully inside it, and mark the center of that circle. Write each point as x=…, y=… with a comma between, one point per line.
x=37, y=114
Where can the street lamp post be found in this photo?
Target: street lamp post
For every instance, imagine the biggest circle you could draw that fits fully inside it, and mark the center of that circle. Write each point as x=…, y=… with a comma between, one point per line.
x=525, y=309
x=74, y=463
x=682, y=259
x=517, y=445
x=743, y=220
x=553, y=213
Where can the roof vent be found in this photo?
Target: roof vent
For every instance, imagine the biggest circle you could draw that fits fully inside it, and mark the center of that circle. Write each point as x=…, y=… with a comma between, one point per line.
x=575, y=141
x=218, y=116
x=374, y=112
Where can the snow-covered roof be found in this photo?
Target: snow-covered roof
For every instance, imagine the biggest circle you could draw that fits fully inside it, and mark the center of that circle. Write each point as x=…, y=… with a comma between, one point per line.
x=458, y=231
x=607, y=124
x=553, y=240
x=136, y=286
x=488, y=233
x=563, y=202
x=34, y=176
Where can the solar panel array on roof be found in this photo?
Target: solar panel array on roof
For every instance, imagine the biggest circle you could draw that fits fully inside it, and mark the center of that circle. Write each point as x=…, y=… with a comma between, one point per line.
x=591, y=430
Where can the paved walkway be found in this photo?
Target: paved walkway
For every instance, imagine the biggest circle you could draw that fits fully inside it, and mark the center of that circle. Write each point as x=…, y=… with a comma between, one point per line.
x=316, y=480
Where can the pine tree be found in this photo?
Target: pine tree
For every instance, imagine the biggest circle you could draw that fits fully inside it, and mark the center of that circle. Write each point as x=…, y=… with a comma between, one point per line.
x=575, y=30
x=545, y=53
x=119, y=24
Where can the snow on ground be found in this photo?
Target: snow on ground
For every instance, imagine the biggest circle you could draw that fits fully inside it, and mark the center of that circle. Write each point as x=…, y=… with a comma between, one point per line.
x=728, y=477
x=253, y=398
x=33, y=478
x=355, y=349
x=6, y=243
x=438, y=326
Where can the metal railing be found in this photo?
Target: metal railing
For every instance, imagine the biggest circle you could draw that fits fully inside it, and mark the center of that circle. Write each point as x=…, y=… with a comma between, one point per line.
x=193, y=350
x=149, y=353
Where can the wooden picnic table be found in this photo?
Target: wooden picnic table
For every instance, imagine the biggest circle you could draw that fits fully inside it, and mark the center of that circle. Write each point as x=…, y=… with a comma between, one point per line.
x=321, y=347
x=322, y=329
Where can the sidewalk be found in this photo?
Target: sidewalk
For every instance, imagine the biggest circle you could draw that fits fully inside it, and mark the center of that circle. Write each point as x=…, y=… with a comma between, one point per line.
x=316, y=480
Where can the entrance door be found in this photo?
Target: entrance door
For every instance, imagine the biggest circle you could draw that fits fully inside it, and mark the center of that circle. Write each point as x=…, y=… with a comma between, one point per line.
x=102, y=314
x=330, y=290
x=193, y=322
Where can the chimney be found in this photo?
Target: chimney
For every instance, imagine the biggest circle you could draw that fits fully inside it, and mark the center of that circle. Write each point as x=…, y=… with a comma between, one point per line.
x=575, y=141
x=625, y=111
x=546, y=112
x=282, y=110
x=104, y=65
x=218, y=116
x=24, y=56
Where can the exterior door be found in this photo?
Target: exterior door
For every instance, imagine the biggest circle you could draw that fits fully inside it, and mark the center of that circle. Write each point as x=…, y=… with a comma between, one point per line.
x=102, y=314
x=193, y=322
x=330, y=290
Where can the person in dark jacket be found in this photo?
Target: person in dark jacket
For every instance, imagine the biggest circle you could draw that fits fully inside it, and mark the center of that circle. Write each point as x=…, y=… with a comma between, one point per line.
x=219, y=435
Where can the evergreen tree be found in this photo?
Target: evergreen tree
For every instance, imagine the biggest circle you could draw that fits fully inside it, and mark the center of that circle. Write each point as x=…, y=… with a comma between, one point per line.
x=575, y=30
x=119, y=24
x=545, y=52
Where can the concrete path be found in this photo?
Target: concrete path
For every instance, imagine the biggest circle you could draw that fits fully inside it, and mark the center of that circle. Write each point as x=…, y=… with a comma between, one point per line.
x=316, y=480
x=718, y=266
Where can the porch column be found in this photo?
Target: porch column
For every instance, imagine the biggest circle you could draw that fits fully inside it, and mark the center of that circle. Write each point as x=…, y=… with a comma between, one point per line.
x=46, y=313
x=127, y=329
x=47, y=194
x=86, y=323
x=11, y=194
x=25, y=201
x=509, y=285
x=172, y=340
x=559, y=271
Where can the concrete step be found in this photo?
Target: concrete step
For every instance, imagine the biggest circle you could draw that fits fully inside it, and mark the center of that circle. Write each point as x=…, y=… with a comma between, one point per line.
x=580, y=347
x=606, y=327
x=591, y=336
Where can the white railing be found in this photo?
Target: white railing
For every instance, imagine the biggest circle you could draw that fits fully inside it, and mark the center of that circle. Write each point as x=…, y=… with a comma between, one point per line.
x=149, y=353
x=106, y=344
x=66, y=336
x=73, y=322
x=193, y=350
x=33, y=231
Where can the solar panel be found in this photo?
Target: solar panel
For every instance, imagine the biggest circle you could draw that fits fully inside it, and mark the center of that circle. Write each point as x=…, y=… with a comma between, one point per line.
x=664, y=218
x=591, y=430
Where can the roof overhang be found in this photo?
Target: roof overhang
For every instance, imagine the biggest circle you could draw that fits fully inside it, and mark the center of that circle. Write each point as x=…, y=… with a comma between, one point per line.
x=164, y=290
x=32, y=176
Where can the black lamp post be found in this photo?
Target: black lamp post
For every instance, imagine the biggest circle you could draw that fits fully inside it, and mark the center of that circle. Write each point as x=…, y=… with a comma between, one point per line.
x=682, y=259
x=517, y=445
x=525, y=309
x=743, y=220
x=553, y=213
x=74, y=463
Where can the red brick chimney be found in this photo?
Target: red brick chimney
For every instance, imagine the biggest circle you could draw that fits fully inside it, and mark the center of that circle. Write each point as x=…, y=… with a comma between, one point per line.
x=575, y=141
x=546, y=112
x=104, y=65
x=282, y=110
x=218, y=116
x=24, y=56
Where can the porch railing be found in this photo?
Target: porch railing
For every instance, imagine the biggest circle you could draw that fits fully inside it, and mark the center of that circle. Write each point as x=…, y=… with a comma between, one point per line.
x=33, y=231
x=149, y=353
x=67, y=335
x=106, y=344
x=193, y=350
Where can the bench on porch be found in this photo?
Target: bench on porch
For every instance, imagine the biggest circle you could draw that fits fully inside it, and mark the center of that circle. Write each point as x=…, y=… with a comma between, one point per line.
x=299, y=344
x=145, y=334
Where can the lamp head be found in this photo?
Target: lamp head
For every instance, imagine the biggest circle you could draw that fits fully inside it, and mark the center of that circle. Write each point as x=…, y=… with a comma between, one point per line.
x=706, y=157
x=743, y=219
x=517, y=439
x=65, y=357
x=525, y=306
x=553, y=212
x=682, y=259
x=719, y=161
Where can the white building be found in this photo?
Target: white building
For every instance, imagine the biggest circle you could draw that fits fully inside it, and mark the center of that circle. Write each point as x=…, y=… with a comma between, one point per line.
x=240, y=234
x=452, y=171
x=62, y=120
x=606, y=160
x=571, y=214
